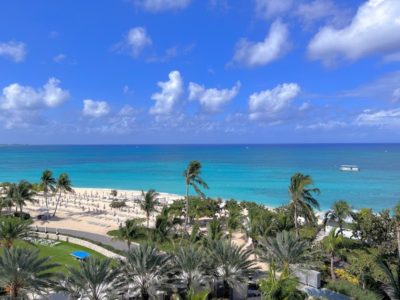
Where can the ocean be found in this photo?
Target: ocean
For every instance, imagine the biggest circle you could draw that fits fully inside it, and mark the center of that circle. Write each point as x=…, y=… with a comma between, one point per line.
x=259, y=173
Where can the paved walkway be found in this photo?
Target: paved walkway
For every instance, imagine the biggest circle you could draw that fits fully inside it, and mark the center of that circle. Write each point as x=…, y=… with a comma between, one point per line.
x=105, y=240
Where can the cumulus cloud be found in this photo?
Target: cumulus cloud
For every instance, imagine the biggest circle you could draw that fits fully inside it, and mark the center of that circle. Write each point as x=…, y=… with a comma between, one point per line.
x=373, y=30
x=212, y=99
x=15, y=51
x=271, y=8
x=169, y=95
x=19, y=97
x=95, y=109
x=134, y=42
x=380, y=118
x=20, y=105
x=253, y=54
x=269, y=104
x=162, y=5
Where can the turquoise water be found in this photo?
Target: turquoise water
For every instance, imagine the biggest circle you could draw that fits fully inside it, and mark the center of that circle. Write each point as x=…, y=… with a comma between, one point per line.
x=259, y=173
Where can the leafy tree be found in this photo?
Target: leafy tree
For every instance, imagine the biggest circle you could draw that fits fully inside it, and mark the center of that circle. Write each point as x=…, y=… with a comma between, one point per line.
x=302, y=200
x=48, y=183
x=63, y=186
x=145, y=270
x=12, y=229
x=233, y=222
x=280, y=287
x=193, y=179
x=231, y=263
x=373, y=229
x=23, y=271
x=339, y=212
x=149, y=203
x=95, y=279
x=284, y=249
x=331, y=244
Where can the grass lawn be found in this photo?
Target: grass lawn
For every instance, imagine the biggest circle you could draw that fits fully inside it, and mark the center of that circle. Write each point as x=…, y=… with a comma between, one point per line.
x=60, y=254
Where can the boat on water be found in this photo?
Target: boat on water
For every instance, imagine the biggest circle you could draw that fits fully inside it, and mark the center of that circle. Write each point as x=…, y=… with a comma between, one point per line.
x=349, y=168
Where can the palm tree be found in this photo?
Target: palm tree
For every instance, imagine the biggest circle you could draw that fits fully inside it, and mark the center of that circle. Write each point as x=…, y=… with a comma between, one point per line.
x=12, y=229
x=301, y=199
x=231, y=264
x=330, y=244
x=95, y=279
x=145, y=269
x=339, y=212
x=396, y=211
x=23, y=270
x=48, y=183
x=214, y=231
x=130, y=232
x=164, y=225
x=284, y=249
x=63, y=185
x=193, y=179
x=189, y=263
x=390, y=289
x=283, y=286
x=20, y=193
x=149, y=203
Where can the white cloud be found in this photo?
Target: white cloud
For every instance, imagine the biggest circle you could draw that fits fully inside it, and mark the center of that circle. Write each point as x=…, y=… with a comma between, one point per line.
x=256, y=54
x=95, y=109
x=318, y=10
x=15, y=51
x=381, y=118
x=59, y=58
x=270, y=8
x=19, y=97
x=169, y=96
x=269, y=103
x=386, y=88
x=212, y=99
x=396, y=95
x=162, y=5
x=327, y=125
x=136, y=40
x=374, y=30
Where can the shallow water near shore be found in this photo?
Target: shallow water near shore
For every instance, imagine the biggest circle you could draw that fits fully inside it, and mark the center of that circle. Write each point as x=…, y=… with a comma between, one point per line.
x=258, y=173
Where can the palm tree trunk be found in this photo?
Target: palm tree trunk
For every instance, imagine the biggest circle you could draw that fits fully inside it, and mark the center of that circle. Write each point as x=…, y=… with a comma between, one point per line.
x=145, y=296
x=398, y=239
x=295, y=221
x=148, y=219
x=57, y=203
x=45, y=200
x=13, y=292
x=332, y=268
x=187, y=208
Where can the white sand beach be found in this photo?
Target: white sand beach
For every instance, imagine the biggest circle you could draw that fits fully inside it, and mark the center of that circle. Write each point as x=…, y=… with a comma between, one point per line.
x=88, y=209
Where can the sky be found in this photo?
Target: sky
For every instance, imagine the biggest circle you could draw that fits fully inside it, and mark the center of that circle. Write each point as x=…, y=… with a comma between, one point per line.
x=199, y=71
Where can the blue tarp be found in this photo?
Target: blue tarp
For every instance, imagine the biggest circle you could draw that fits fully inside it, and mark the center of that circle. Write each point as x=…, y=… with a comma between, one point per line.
x=80, y=254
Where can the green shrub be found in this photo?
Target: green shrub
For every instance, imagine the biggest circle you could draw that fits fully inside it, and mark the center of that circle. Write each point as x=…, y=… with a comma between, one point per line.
x=351, y=290
x=22, y=215
x=308, y=232
x=117, y=204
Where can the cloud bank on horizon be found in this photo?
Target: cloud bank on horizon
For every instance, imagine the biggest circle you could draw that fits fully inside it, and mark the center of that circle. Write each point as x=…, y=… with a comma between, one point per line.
x=190, y=71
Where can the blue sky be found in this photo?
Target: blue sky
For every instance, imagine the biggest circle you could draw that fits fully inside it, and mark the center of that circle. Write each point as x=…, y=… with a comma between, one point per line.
x=199, y=71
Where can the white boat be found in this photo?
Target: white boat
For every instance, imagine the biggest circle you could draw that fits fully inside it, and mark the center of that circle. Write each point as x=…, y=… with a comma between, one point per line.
x=349, y=168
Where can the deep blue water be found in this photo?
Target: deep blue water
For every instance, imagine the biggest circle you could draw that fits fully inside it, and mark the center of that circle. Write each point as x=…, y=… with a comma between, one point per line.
x=259, y=173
